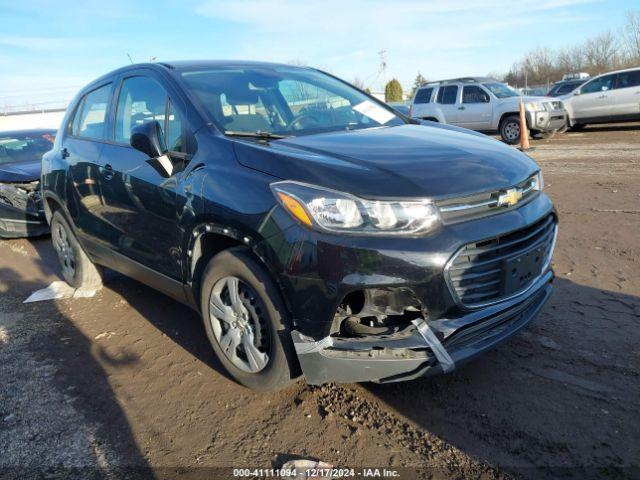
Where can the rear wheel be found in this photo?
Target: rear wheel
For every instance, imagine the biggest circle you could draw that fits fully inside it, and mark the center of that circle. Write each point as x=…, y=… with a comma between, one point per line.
x=77, y=269
x=510, y=129
x=246, y=322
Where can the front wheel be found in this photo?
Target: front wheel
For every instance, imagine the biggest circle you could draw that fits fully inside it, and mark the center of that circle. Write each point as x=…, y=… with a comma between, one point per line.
x=246, y=322
x=510, y=130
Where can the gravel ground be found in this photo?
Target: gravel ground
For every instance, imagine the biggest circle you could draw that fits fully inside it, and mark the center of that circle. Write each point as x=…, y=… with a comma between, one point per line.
x=100, y=386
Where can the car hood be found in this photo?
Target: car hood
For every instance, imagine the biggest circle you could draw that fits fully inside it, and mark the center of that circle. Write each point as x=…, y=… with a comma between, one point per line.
x=525, y=99
x=401, y=162
x=20, y=171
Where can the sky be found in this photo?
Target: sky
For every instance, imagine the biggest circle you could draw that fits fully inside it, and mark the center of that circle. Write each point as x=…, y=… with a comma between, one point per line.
x=50, y=49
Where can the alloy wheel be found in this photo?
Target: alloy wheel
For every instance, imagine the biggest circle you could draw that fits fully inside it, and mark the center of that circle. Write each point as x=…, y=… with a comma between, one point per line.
x=63, y=249
x=237, y=318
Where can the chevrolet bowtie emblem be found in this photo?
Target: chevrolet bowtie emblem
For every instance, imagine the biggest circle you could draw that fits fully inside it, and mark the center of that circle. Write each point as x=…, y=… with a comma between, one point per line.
x=510, y=197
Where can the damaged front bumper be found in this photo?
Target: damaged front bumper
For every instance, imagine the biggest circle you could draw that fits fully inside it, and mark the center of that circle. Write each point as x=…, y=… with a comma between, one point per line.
x=21, y=210
x=423, y=348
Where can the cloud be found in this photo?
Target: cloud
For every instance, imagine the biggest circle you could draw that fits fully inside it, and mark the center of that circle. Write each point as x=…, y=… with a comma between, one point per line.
x=418, y=35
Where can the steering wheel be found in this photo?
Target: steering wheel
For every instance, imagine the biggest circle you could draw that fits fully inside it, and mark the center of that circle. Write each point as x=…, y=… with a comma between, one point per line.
x=300, y=117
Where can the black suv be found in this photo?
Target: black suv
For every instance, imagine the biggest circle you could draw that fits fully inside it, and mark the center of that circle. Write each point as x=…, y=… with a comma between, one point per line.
x=317, y=232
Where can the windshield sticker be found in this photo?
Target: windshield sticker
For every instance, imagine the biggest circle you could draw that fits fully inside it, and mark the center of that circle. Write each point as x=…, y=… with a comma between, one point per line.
x=374, y=112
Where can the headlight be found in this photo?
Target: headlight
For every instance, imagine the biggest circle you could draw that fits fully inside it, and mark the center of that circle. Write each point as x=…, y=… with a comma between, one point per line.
x=535, y=107
x=537, y=182
x=338, y=212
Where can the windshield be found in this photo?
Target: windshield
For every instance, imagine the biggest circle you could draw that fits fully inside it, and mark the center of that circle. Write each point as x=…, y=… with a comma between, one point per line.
x=24, y=147
x=284, y=101
x=500, y=90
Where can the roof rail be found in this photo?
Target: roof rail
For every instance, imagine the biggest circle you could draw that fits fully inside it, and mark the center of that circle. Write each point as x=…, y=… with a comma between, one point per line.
x=465, y=80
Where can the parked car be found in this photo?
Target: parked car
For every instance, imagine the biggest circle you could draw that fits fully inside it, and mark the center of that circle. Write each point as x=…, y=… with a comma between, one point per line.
x=564, y=87
x=315, y=230
x=21, y=211
x=611, y=97
x=537, y=91
x=484, y=104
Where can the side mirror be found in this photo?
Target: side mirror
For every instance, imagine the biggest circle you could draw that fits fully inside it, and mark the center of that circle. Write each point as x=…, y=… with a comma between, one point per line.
x=148, y=138
x=577, y=92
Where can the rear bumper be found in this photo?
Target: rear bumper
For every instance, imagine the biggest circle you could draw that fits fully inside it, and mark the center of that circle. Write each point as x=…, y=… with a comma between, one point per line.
x=424, y=348
x=16, y=223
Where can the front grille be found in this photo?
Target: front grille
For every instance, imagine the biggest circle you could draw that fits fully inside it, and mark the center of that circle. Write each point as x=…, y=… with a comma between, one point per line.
x=470, y=207
x=492, y=270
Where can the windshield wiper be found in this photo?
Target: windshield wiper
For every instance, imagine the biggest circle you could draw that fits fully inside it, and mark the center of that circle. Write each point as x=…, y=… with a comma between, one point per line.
x=258, y=134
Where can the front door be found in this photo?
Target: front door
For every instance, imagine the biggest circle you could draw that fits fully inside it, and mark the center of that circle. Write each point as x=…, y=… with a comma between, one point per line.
x=139, y=196
x=476, y=108
x=594, y=101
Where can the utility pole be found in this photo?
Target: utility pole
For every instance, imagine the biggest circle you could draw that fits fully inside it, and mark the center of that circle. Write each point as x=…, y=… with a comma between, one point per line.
x=383, y=66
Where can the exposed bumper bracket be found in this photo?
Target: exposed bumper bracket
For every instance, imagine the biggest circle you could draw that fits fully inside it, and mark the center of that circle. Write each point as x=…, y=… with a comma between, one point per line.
x=446, y=362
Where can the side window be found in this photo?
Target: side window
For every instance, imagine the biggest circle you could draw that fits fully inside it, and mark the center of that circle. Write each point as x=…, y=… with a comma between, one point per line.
x=601, y=84
x=423, y=95
x=142, y=99
x=569, y=87
x=628, y=79
x=474, y=94
x=447, y=95
x=90, y=116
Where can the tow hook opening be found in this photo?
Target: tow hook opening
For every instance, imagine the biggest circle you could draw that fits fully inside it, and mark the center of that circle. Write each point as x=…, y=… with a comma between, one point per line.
x=376, y=312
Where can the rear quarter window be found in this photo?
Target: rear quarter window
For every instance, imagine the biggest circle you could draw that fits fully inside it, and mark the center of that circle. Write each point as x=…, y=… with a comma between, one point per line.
x=423, y=95
x=91, y=113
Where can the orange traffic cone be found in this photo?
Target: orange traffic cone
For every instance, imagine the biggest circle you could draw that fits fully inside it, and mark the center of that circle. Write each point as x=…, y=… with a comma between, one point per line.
x=524, y=131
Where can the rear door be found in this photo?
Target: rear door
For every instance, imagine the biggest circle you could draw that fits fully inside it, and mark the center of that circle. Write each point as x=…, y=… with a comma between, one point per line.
x=82, y=146
x=626, y=96
x=475, y=111
x=594, y=101
x=447, y=100
x=140, y=197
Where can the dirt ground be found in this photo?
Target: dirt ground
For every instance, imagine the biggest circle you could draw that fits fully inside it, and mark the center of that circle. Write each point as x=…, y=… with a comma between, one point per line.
x=127, y=378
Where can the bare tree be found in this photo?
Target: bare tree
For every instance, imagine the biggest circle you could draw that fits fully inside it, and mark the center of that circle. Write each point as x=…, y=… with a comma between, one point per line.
x=631, y=37
x=358, y=83
x=601, y=52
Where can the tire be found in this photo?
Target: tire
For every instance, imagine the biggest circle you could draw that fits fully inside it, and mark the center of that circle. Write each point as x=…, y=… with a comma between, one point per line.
x=576, y=127
x=510, y=130
x=77, y=269
x=259, y=320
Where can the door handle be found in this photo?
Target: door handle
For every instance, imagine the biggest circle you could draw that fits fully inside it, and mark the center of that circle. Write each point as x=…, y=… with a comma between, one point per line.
x=64, y=153
x=107, y=172
x=462, y=107
x=602, y=96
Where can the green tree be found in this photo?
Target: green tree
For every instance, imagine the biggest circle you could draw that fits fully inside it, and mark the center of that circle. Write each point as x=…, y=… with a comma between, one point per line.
x=417, y=83
x=393, y=91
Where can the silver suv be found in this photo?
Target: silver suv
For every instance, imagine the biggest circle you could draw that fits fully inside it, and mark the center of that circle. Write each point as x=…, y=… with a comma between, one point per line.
x=611, y=97
x=485, y=104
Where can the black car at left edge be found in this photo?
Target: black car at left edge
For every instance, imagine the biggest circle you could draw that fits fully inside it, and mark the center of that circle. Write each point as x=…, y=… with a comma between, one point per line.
x=21, y=210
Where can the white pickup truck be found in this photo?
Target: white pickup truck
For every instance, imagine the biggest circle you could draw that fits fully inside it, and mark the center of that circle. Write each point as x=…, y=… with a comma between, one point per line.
x=485, y=104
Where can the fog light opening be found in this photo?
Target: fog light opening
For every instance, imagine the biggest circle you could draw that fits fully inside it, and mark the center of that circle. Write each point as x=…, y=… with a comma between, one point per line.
x=376, y=312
